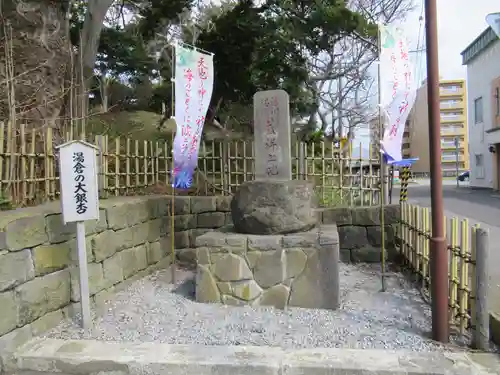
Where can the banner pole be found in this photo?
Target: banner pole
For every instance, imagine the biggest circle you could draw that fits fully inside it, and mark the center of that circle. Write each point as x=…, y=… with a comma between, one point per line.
x=382, y=168
x=172, y=171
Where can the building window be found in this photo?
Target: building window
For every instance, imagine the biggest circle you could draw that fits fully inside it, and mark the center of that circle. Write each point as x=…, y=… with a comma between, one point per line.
x=479, y=160
x=478, y=110
x=479, y=167
x=497, y=101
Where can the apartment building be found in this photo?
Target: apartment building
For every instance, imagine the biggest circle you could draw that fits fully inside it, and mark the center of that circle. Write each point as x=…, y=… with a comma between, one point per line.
x=454, y=131
x=482, y=58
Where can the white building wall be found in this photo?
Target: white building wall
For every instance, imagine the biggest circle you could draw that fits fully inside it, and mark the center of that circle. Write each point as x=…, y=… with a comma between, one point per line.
x=480, y=73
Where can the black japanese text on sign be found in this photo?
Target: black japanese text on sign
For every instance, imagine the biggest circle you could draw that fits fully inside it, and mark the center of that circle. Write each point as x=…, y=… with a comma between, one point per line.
x=80, y=191
x=272, y=147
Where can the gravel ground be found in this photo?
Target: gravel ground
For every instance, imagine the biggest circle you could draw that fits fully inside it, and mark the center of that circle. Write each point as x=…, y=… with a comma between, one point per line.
x=152, y=309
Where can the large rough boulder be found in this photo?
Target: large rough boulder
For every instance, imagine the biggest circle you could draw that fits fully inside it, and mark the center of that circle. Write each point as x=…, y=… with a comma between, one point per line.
x=274, y=207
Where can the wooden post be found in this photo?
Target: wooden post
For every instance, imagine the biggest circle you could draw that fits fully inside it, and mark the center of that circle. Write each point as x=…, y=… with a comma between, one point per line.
x=99, y=142
x=480, y=315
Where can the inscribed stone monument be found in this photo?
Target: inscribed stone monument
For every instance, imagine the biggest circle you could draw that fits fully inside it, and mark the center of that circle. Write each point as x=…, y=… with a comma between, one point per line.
x=271, y=112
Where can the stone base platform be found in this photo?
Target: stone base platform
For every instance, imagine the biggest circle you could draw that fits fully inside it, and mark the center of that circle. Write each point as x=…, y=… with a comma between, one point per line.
x=300, y=269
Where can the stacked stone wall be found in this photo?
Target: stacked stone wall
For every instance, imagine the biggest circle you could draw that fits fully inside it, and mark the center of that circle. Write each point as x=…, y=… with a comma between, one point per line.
x=38, y=266
x=360, y=232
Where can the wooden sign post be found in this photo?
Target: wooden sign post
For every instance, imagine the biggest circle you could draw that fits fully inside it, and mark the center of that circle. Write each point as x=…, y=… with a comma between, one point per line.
x=79, y=203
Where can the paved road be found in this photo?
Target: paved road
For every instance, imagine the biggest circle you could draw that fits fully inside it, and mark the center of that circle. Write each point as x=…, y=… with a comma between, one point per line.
x=481, y=207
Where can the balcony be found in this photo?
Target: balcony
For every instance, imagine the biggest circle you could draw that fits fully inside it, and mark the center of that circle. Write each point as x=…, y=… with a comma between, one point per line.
x=448, y=145
x=445, y=159
x=451, y=90
x=451, y=130
x=452, y=118
x=451, y=104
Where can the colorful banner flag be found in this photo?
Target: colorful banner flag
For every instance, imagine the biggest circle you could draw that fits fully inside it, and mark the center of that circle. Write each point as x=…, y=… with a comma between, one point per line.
x=398, y=88
x=194, y=82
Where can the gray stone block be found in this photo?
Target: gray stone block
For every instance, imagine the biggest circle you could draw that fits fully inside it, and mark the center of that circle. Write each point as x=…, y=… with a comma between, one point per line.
x=127, y=213
x=158, y=206
x=206, y=286
x=211, y=220
x=50, y=258
x=305, y=239
x=9, y=312
x=184, y=222
x=96, y=280
x=265, y=243
x=195, y=233
x=374, y=235
x=134, y=260
x=237, y=242
x=203, y=204
x=352, y=237
x=112, y=270
x=365, y=216
x=231, y=267
x=339, y=216
x=270, y=268
x=224, y=203
x=392, y=214
x=211, y=239
x=155, y=252
x=187, y=255
x=181, y=239
x=60, y=232
x=182, y=205
x=25, y=232
x=15, y=268
x=366, y=254
x=109, y=242
x=42, y=295
x=328, y=235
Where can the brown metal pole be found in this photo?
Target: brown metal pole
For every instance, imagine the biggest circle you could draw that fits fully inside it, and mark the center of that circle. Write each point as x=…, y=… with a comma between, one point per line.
x=438, y=248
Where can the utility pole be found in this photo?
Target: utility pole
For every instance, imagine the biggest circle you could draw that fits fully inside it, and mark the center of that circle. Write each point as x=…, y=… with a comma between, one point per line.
x=438, y=250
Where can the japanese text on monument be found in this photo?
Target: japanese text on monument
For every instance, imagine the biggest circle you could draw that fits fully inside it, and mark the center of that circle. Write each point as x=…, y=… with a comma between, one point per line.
x=271, y=135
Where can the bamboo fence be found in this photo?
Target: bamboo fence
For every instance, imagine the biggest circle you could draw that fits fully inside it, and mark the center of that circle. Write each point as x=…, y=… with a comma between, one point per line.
x=29, y=168
x=414, y=235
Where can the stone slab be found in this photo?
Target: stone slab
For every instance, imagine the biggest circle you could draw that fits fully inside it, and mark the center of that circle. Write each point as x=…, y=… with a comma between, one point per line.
x=271, y=112
x=108, y=358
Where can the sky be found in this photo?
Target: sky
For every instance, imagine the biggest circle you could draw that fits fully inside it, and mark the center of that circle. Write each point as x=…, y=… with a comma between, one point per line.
x=459, y=23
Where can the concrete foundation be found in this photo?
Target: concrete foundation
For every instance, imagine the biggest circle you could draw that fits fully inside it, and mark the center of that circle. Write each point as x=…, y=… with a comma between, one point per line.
x=45, y=356
x=300, y=269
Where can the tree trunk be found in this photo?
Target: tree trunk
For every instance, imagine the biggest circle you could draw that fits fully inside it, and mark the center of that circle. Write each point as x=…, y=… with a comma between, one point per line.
x=36, y=37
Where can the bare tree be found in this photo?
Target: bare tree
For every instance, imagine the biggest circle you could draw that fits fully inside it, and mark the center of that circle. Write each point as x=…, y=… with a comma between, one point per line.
x=340, y=80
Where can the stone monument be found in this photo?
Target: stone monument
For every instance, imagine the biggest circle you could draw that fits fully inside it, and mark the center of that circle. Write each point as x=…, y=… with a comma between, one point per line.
x=275, y=253
x=271, y=113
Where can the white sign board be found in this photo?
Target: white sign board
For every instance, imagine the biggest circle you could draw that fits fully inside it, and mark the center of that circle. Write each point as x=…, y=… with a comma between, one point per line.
x=78, y=175
x=273, y=159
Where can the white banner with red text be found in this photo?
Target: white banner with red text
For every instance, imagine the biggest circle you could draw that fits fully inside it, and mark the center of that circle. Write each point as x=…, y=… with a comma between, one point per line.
x=398, y=88
x=194, y=82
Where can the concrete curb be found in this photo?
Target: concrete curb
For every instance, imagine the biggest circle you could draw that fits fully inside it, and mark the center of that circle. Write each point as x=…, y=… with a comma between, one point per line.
x=42, y=356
